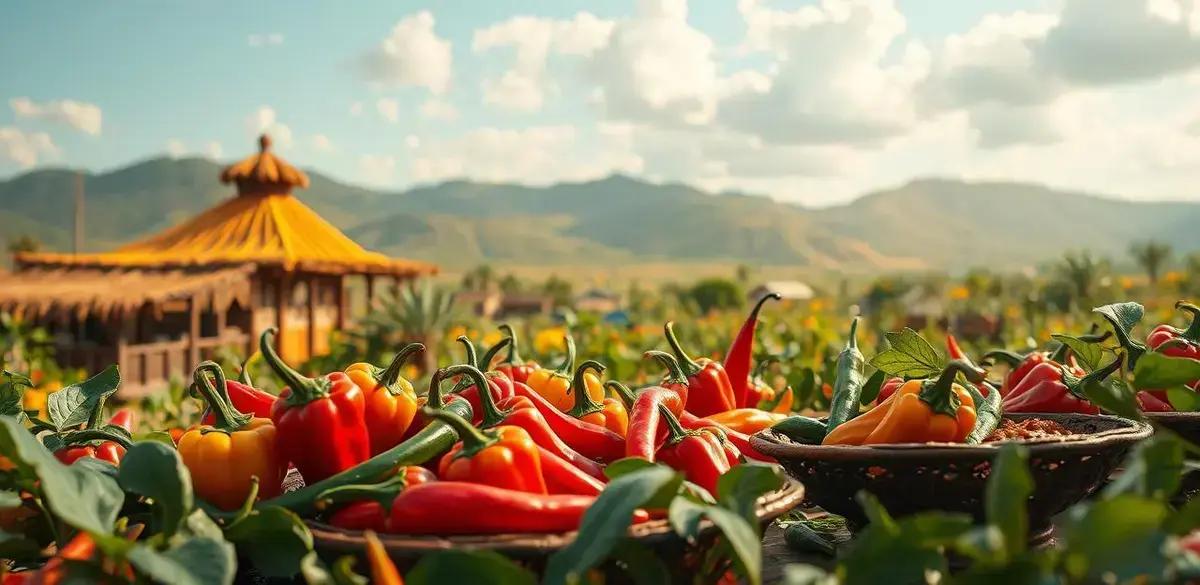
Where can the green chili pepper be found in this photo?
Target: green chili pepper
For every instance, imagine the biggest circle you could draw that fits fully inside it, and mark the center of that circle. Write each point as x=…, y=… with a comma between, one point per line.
x=803, y=538
x=988, y=412
x=801, y=429
x=847, y=388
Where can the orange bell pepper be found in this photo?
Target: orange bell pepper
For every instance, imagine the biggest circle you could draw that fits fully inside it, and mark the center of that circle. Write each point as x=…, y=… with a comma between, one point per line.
x=610, y=413
x=555, y=385
x=921, y=411
x=391, y=403
x=504, y=457
x=746, y=420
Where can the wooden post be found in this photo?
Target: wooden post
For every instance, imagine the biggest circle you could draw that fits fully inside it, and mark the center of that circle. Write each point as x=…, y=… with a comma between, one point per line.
x=193, y=338
x=340, y=299
x=311, y=284
x=370, y=291
x=283, y=296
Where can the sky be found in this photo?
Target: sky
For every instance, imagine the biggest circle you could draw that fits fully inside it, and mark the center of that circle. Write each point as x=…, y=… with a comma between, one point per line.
x=813, y=102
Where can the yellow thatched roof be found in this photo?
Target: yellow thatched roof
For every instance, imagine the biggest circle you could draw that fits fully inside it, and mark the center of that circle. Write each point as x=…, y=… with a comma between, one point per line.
x=263, y=225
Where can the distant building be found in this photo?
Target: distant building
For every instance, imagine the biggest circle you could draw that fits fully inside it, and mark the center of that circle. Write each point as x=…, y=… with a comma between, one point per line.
x=792, y=290
x=493, y=304
x=599, y=301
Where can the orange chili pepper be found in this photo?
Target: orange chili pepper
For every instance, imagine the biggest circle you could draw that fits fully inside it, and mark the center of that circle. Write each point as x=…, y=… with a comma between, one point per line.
x=610, y=413
x=746, y=420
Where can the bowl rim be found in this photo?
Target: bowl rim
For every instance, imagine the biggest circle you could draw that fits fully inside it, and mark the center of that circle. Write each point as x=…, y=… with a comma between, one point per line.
x=1173, y=416
x=770, y=443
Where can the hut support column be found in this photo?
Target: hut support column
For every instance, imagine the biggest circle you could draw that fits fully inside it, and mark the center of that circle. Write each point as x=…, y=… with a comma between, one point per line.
x=340, y=299
x=193, y=332
x=282, y=293
x=311, y=284
x=370, y=291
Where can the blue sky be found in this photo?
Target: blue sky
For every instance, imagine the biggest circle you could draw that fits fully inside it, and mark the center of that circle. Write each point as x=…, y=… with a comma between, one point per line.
x=808, y=101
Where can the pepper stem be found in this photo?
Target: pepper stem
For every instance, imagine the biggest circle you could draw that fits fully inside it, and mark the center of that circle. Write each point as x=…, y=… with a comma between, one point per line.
x=390, y=375
x=382, y=492
x=675, y=373
x=492, y=415
x=939, y=394
x=1011, y=358
x=1074, y=384
x=564, y=369
x=1192, y=333
x=514, y=352
x=675, y=431
x=304, y=389
x=244, y=375
x=227, y=417
x=688, y=365
x=852, y=340
x=434, y=397
x=753, y=317
x=485, y=362
x=763, y=365
x=97, y=434
x=1059, y=355
x=473, y=439
x=472, y=356
x=623, y=392
x=584, y=405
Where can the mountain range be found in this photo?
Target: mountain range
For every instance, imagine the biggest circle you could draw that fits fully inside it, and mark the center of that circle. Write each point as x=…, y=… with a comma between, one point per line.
x=938, y=224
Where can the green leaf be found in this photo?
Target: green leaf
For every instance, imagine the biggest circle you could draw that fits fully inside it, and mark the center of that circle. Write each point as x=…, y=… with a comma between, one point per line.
x=460, y=566
x=625, y=466
x=1006, y=496
x=739, y=488
x=1183, y=399
x=741, y=535
x=607, y=521
x=156, y=471
x=875, y=512
x=1123, y=317
x=870, y=389
x=79, y=496
x=17, y=546
x=12, y=393
x=909, y=356
x=1087, y=353
x=641, y=564
x=1114, y=396
x=1154, y=470
x=1156, y=371
x=1185, y=519
x=157, y=437
x=1116, y=540
x=193, y=561
x=273, y=539
x=75, y=404
x=9, y=499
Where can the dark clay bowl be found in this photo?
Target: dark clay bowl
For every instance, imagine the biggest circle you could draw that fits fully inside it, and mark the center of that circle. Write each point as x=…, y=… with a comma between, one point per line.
x=917, y=477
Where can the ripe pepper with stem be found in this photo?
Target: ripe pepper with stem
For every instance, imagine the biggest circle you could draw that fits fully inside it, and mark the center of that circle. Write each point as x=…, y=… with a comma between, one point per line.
x=513, y=366
x=1174, y=342
x=244, y=397
x=434, y=398
x=921, y=411
x=390, y=402
x=697, y=453
x=227, y=458
x=555, y=385
x=504, y=457
x=465, y=387
x=519, y=411
x=709, y=388
x=96, y=441
x=320, y=422
x=485, y=509
x=844, y=404
x=366, y=506
x=1021, y=365
x=738, y=358
x=675, y=379
x=1052, y=387
x=988, y=402
x=592, y=441
x=610, y=413
x=644, y=438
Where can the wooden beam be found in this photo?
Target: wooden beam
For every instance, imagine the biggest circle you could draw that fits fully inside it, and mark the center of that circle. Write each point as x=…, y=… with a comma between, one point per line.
x=311, y=284
x=340, y=299
x=193, y=337
x=370, y=291
x=283, y=295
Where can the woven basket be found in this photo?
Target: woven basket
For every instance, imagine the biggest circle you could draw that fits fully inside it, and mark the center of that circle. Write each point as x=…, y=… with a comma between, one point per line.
x=533, y=549
x=910, y=478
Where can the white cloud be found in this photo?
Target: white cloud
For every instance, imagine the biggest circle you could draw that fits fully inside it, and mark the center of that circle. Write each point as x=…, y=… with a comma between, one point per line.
x=356, y=109
x=389, y=109
x=264, y=120
x=377, y=169
x=82, y=116
x=176, y=148
x=831, y=82
x=25, y=148
x=214, y=150
x=436, y=109
x=320, y=143
x=264, y=39
x=524, y=86
x=413, y=54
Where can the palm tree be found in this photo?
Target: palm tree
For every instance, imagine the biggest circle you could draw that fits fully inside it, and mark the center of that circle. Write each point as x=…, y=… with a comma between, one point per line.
x=1151, y=256
x=1080, y=270
x=412, y=314
x=24, y=243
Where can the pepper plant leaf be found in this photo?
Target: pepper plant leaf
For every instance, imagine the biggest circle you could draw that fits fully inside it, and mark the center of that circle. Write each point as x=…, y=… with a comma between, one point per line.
x=741, y=535
x=12, y=392
x=642, y=565
x=273, y=539
x=460, y=566
x=1183, y=399
x=871, y=388
x=1156, y=371
x=155, y=471
x=909, y=356
x=740, y=487
x=1154, y=470
x=1087, y=353
x=75, y=404
x=1123, y=317
x=192, y=561
x=1006, y=495
x=1116, y=540
x=1114, y=396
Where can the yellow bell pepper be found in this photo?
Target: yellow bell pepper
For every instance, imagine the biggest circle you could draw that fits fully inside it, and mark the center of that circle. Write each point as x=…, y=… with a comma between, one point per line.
x=224, y=459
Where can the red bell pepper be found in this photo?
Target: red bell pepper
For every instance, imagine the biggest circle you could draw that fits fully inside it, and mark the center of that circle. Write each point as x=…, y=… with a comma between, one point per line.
x=519, y=411
x=697, y=453
x=709, y=388
x=591, y=441
x=889, y=387
x=504, y=457
x=111, y=450
x=740, y=355
x=455, y=507
x=513, y=366
x=319, y=422
x=1052, y=387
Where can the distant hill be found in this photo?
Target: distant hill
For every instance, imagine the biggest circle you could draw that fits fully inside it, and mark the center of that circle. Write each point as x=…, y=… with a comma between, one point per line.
x=925, y=224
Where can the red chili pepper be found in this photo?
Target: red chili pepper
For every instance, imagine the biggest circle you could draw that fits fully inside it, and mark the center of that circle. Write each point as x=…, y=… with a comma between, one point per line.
x=709, y=389
x=564, y=478
x=591, y=441
x=1051, y=387
x=1022, y=365
x=368, y=504
x=740, y=355
x=1175, y=342
x=644, y=437
x=513, y=366
x=740, y=441
x=501, y=389
x=1154, y=402
x=697, y=453
x=320, y=422
x=244, y=397
x=889, y=387
x=81, y=547
x=108, y=451
x=519, y=411
x=454, y=507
